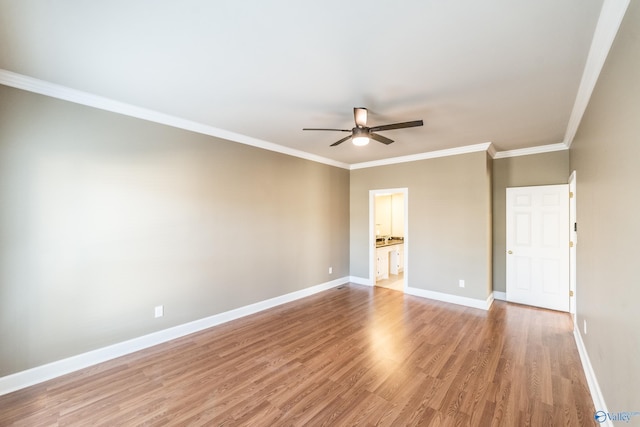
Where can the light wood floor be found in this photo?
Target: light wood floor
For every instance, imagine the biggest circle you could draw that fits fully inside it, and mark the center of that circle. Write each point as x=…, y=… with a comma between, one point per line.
x=395, y=282
x=349, y=356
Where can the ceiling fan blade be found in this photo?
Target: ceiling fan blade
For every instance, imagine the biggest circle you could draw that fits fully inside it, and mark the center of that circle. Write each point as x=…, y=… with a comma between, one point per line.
x=397, y=126
x=341, y=141
x=380, y=138
x=336, y=130
x=360, y=116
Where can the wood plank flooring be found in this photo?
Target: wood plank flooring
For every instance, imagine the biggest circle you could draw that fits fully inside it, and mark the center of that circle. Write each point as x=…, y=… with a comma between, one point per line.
x=349, y=356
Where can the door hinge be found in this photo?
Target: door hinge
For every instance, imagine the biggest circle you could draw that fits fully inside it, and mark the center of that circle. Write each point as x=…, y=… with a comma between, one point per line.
x=570, y=244
x=570, y=293
x=571, y=194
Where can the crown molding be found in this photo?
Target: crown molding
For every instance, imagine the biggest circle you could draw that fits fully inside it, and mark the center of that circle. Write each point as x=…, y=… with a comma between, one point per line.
x=531, y=150
x=485, y=146
x=30, y=84
x=492, y=151
x=607, y=27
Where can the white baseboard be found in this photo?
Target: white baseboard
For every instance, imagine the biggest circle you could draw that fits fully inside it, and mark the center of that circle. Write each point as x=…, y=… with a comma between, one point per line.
x=500, y=296
x=360, y=280
x=592, y=381
x=55, y=369
x=454, y=299
x=489, y=301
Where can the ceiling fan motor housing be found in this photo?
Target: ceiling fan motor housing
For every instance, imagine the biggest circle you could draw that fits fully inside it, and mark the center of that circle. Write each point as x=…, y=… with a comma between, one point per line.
x=360, y=131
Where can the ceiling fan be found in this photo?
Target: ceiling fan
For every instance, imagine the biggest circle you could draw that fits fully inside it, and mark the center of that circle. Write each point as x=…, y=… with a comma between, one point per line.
x=361, y=133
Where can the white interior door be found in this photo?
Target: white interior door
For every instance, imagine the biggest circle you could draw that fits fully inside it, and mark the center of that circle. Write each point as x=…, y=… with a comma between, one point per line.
x=538, y=246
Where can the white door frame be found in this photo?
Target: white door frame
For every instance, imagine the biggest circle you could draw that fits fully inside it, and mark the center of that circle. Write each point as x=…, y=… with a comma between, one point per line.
x=573, y=237
x=372, y=232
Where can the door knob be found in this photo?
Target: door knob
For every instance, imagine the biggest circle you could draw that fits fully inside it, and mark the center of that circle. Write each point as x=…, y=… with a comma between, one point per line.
x=510, y=252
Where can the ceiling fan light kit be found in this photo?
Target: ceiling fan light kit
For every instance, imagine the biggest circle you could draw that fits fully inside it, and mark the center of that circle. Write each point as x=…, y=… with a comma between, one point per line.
x=361, y=134
x=360, y=140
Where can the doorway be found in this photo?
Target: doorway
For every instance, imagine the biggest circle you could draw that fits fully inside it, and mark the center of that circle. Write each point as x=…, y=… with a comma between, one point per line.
x=388, y=238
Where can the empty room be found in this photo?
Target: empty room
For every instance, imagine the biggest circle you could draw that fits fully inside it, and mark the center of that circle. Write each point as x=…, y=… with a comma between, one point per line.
x=319, y=213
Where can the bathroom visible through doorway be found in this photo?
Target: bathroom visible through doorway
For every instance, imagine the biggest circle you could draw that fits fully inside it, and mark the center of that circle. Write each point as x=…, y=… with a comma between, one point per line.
x=388, y=238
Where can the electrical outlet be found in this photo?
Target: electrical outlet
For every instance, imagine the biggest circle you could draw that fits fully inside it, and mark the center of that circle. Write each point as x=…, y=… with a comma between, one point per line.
x=584, y=326
x=330, y=270
x=159, y=311
x=461, y=283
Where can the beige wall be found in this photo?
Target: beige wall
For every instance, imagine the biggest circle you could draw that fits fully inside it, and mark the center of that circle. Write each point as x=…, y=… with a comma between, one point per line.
x=606, y=157
x=103, y=217
x=534, y=169
x=449, y=228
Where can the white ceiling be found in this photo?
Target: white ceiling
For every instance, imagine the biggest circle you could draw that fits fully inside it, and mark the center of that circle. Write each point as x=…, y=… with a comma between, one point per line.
x=500, y=71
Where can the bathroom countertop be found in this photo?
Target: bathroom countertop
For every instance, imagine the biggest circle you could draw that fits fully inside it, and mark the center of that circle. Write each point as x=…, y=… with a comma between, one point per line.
x=391, y=242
